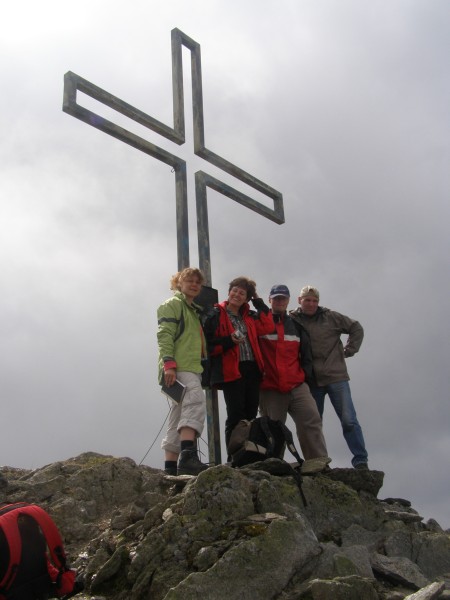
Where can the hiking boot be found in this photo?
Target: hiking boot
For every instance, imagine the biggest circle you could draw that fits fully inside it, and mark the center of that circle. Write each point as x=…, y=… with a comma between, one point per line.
x=315, y=465
x=170, y=471
x=362, y=466
x=189, y=463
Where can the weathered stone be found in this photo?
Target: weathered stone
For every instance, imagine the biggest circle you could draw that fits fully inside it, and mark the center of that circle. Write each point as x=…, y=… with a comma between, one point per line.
x=393, y=595
x=432, y=553
x=355, y=534
x=278, y=495
x=359, y=480
x=400, y=543
x=400, y=501
x=341, y=562
x=334, y=506
x=341, y=588
x=127, y=516
x=112, y=568
x=221, y=493
x=134, y=533
x=433, y=525
x=96, y=561
x=41, y=491
x=283, y=548
x=353, y=560
x=209, y=555
x=3, y=482
x=434, y=590
x=406, y=517
x=398, y=570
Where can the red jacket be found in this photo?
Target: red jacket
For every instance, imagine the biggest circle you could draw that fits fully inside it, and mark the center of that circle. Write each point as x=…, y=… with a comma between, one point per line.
x=281, y=352
x=224, y=353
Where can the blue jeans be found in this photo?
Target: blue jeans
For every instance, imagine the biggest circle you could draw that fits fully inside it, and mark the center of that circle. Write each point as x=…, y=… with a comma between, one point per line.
x=341, y=399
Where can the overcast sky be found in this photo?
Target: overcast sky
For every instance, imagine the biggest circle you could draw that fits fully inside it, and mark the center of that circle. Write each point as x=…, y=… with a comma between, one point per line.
x=341, y=105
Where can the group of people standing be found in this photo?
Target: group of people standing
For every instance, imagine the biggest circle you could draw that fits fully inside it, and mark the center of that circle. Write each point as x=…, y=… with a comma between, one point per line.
x=262, y=358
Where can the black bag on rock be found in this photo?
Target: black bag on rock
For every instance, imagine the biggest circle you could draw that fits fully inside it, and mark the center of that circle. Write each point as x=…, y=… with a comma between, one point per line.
x=260, y=439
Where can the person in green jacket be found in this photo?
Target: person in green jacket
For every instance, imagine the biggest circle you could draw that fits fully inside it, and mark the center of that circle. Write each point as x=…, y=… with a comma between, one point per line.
x=182, y=346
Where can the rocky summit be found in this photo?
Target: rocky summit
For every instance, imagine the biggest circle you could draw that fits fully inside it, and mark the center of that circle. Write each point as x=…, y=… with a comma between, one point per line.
x=135, y=533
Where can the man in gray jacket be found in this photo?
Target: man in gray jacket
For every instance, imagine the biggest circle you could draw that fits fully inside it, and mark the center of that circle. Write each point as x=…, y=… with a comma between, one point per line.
x=330, y=375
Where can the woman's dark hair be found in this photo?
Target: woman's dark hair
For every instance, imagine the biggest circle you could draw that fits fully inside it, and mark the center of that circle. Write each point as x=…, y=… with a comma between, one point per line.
x=244, y=283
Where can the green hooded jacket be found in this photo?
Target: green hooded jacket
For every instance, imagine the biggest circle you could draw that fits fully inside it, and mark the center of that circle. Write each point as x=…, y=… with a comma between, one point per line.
x=180, y=335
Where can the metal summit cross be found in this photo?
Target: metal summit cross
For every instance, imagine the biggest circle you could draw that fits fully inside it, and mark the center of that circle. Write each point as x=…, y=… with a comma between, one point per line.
x=73, y=83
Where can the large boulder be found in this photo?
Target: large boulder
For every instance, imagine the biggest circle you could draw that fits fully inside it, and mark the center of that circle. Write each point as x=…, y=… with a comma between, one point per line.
x=134, y=533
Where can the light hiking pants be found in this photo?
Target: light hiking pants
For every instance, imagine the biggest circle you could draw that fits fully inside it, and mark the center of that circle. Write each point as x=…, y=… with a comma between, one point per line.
x=189, y=413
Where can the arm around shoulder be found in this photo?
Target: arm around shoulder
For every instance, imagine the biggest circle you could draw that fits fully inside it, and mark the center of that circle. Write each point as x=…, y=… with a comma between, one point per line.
x=263, y=319
x=216, y=344
x=260, y=305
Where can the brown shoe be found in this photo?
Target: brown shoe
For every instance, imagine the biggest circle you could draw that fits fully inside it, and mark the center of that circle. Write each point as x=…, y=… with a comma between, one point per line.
x=315, y=465
x=362, y=467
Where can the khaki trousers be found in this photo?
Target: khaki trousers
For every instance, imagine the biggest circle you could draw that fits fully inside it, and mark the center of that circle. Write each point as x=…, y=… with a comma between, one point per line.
x=301, y=406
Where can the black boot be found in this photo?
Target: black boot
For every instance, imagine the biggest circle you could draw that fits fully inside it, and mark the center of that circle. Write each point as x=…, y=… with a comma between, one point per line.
x=189, y=463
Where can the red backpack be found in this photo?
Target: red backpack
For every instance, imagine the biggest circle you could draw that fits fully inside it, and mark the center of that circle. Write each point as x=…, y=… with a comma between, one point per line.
x=30, y=572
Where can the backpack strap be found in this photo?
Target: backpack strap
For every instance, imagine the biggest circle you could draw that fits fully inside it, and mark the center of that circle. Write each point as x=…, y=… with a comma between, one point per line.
x=290, y=442
x=8, y=523
x=264, y=422
x=298, y=479
x=293, y=450
x=51, y=533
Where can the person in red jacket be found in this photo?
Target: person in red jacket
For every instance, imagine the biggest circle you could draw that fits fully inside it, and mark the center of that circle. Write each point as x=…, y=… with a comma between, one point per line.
x=286, y=351
x=237, y=365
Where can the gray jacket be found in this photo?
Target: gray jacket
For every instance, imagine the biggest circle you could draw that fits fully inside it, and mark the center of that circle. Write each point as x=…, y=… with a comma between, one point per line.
x=325, y=328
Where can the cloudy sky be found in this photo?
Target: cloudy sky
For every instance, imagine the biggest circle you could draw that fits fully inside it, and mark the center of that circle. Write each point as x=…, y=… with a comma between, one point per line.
x=341, y=105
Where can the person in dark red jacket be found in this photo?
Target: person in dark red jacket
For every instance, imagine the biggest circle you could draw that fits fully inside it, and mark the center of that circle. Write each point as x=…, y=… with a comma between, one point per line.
x=286, y=350
x=237, y=365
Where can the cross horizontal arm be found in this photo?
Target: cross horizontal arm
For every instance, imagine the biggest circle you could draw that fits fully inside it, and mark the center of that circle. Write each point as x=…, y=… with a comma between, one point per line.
x=72, y=83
